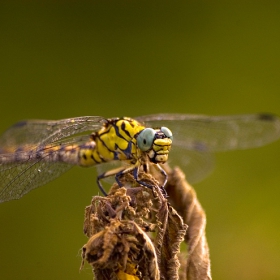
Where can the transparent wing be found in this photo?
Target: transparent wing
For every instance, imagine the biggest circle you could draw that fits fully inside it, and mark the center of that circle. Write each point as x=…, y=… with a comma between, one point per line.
x=111, y=165
x=41, y=132
x=197, y=164
x=17, y=177
x=218, y=133
x=197, y=136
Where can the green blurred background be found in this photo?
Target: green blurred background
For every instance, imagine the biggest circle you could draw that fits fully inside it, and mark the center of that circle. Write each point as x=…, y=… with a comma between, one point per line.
x=112, y=58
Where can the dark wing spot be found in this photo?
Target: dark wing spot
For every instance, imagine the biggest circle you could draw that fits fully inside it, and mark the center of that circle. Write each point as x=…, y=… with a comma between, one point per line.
x=20, y=124
x=267, y=117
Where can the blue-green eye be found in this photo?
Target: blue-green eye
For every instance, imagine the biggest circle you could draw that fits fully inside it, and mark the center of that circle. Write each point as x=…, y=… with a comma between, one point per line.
x=145, y=139
x=167, y=132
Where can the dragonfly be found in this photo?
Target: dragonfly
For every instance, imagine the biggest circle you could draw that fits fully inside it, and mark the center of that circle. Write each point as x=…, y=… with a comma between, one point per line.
x=34, y=152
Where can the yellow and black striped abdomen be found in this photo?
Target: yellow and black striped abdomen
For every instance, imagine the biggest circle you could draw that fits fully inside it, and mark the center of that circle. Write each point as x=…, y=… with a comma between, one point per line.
x=115, y=141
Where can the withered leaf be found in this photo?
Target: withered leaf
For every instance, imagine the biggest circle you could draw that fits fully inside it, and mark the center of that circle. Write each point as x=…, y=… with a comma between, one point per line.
x=134, y=233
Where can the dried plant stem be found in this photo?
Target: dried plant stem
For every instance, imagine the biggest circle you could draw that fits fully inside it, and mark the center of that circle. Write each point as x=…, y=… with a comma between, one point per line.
x=134, y=233
x=183, y=197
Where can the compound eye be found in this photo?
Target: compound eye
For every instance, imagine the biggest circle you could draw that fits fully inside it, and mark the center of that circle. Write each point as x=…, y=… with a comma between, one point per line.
x=145, y=139
x=167, y=132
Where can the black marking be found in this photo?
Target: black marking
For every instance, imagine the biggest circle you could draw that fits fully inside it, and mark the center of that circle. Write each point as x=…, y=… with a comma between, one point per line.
x=153, y=159
x=61, y=149
x=94, y=159
x=104, y=145
x=124, y=129
x=127, y=151
x=49, y=150
x=93, y=136
x=84, y=156
x=101, y=157
x=87, y=146
x=118, y=132
x=98, y=137
x=117, y=176
x=116, y=155
x=38, y=155
x=145, y=168
x=137, y=179
x=160, y=135
x=137, y=134
x=111, y=121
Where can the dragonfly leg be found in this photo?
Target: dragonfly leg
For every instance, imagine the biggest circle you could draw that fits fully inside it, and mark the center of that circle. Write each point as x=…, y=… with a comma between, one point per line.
x=162, y=171
x=136, y=177
x=122, y=170
x=108, y=174
x=100, y=185
x=114, y=172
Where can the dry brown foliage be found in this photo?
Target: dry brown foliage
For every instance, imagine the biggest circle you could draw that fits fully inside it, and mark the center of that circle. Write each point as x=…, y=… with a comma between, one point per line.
x=134, y=233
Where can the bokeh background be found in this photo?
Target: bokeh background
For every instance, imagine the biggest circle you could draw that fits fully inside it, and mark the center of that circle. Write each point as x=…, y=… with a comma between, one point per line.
x=112, y=58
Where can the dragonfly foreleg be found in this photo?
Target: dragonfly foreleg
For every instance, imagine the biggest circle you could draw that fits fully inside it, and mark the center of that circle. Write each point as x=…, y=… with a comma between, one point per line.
x=114, y=172
x=118, y=172
x=162, y=171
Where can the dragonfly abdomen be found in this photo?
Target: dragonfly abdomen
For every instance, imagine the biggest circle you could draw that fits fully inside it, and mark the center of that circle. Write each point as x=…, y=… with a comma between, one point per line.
x=64, y=153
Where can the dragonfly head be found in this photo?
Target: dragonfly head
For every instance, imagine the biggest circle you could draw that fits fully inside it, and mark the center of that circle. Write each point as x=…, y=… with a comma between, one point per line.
x=156, y=143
